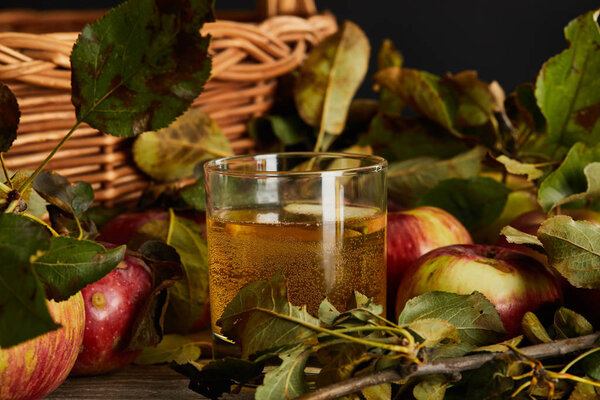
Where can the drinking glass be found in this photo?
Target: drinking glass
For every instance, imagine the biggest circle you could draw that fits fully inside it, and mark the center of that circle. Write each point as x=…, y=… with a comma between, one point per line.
x=320, y=218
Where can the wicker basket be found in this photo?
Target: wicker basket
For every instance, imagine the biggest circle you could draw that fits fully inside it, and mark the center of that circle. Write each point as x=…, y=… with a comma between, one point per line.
x=247, y=59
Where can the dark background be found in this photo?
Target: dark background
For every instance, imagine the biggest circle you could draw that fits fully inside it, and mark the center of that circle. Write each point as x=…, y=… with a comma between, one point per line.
x=504, y=40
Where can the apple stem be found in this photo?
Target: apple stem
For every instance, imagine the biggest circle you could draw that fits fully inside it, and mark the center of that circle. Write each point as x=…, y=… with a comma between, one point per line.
x=39, y=169
x=450, y=366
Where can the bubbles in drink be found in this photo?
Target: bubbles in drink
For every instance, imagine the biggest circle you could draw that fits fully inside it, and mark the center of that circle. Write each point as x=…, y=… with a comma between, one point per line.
x=319, y=258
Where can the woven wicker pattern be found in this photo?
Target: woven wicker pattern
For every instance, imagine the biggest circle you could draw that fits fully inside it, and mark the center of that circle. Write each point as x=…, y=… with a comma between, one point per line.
x=247, y=59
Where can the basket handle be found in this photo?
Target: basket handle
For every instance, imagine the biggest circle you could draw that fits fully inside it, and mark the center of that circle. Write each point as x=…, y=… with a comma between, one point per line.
x=271, y=8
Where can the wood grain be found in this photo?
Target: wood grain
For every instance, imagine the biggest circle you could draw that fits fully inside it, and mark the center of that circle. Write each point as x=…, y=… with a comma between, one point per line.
x=133, y=383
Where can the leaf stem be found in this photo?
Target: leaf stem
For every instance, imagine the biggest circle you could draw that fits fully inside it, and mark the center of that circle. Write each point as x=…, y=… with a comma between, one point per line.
x=370, y=343
x=11, y=206
x=39, y=221
x=579, y=358
x=39, y=169
x=4, y=188
x=10, y=185
x=320, y=137
x=400, y=331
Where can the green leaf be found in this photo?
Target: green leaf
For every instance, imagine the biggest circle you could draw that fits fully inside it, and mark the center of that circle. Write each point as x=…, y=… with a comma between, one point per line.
x=342, y=364
x=409, y=180
x=23, y=311
x=576, y=178
x=164, y=264
x=475, y=202
x=260, y=317
x=172, y=348
x=9, y=117
x=387, y=57
x=327, y=312
x=475, y=100
x=379, y=392
x=172, y=152
x=567, y=87
x=218, y=376
x=569, y=324
x=188, y=297
x=398, y=139
x=591, y=365
x=514, y=235
x=518, y=168
x=329, y=77
x=141, y=65
x=573, y=249
x=475, y=318
x=488, y=382
x=71, y=264
x=533, y=329
x=276, y=133
x=287, y=381
x=73, y=199
x=432, y=387
x=423, y=92
x=194, y=195
x=434, y=331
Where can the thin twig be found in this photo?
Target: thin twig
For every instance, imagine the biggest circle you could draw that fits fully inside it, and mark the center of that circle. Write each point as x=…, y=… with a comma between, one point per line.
x=448, y=366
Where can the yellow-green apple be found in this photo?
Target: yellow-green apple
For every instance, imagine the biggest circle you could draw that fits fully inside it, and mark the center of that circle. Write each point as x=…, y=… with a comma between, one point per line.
x=33, y=369
x=518, y=203
x=511, y=280
x=111, y=307
x=410, y=234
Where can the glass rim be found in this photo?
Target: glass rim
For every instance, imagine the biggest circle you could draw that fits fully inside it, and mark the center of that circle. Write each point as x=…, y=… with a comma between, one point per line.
x=219, y=165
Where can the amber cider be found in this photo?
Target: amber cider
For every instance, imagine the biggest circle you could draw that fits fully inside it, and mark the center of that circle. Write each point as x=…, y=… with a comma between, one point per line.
x=319, y=259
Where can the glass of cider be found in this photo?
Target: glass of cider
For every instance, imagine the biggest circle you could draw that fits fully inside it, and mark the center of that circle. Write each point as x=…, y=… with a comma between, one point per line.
x=320, y=218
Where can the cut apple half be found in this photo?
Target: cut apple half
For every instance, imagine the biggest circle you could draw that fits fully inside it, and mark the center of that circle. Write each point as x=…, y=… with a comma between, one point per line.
x=349, y=212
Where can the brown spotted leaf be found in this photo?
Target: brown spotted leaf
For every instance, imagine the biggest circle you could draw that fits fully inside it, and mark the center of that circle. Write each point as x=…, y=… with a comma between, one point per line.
x=568, y=88
x=573, y=249
x=475, y=100
x=423, y=92
x=172, y=153
x=9, y=117
x=330, y=76
x=141, y=65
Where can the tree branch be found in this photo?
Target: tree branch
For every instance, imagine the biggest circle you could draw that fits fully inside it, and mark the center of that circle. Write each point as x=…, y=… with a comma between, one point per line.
x=449, y=366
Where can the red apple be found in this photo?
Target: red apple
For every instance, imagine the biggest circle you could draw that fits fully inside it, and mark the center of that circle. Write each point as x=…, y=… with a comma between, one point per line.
x=123, y=228
x=111, y=306
x=33, y=369
x=511, y=280
x=410, y=234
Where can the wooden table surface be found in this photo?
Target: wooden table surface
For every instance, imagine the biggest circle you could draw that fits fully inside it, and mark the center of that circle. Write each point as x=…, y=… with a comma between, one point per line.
x=133, y=382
